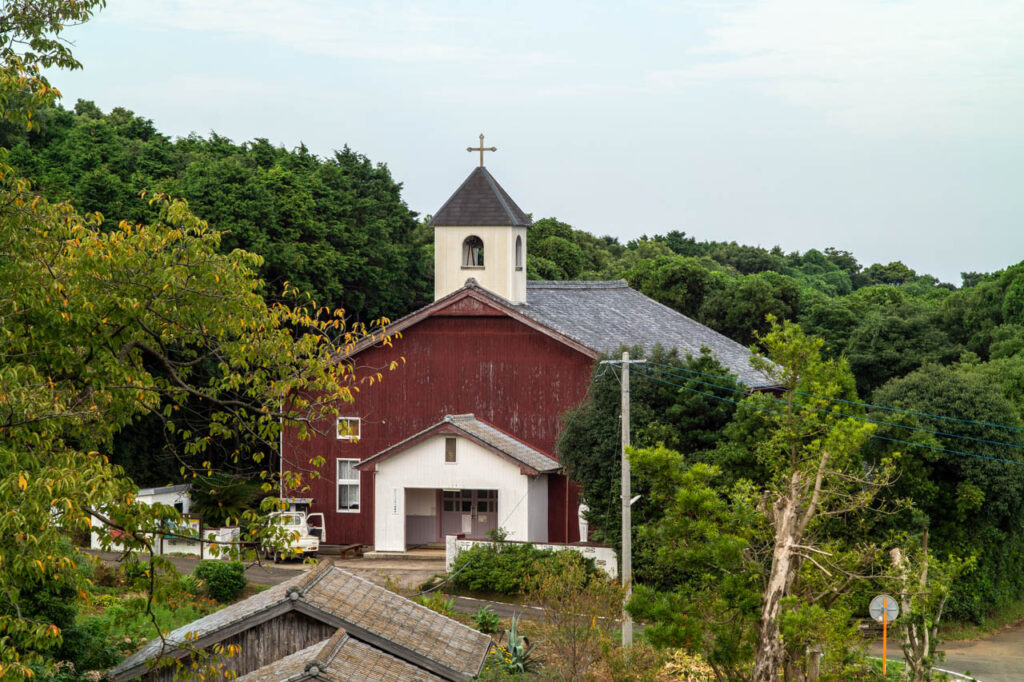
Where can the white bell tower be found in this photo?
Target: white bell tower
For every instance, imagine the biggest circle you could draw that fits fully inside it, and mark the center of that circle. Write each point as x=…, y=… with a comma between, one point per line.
x=480, y=233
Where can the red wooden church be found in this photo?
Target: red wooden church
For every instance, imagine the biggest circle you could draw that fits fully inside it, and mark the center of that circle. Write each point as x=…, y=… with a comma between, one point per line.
x=461, y=438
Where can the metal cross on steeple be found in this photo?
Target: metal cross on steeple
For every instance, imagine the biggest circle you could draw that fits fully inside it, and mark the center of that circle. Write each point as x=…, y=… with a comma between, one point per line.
x=481, y=149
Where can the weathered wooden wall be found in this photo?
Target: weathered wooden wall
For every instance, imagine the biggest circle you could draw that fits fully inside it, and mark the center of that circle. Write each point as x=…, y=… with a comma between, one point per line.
x=480, y=362
x=262, y=644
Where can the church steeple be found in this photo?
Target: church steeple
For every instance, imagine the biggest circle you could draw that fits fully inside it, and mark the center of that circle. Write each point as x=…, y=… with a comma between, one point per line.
x=480, y=233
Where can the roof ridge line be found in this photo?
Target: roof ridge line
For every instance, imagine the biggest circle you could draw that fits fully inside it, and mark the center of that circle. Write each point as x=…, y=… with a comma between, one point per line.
x=499, y=192
x=327, y=653
x=311, y=578
x=454, y=194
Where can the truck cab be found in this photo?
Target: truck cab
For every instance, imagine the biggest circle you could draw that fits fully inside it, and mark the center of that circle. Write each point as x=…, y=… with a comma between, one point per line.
x=303, y=532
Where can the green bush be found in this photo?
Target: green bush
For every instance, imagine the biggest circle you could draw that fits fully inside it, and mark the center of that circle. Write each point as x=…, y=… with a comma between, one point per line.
x=505, y=568
x=486, y=620
x=224, y=580
x=435, y=601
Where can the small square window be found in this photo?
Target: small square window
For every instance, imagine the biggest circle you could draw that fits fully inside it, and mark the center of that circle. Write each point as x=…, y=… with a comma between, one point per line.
x=348, y=428
x=449, y=450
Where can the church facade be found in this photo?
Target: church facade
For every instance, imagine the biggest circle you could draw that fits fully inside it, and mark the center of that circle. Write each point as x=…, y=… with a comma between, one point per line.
x=460, y=439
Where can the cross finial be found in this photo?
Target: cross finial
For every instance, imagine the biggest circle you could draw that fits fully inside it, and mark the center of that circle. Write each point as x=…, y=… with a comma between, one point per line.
x=481, y=149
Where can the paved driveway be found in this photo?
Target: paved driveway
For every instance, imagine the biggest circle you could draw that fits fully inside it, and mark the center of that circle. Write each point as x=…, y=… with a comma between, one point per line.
x=998, y=658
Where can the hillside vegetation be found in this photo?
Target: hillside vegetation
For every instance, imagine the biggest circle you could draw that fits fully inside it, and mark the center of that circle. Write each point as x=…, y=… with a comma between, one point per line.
x=338, y=228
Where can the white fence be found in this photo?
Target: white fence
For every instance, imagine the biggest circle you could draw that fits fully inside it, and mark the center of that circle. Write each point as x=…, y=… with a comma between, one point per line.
x=604, y=557
x=175, y=544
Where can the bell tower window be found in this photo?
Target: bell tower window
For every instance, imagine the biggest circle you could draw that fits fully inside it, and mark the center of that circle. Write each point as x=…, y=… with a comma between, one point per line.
x=473, y=252
x=519, y=253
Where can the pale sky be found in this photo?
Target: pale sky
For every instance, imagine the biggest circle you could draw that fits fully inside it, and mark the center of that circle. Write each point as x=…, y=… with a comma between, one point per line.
x=890, y=128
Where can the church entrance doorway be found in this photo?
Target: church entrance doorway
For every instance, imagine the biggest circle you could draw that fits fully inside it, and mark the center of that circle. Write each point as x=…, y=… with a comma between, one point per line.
x=473, y=512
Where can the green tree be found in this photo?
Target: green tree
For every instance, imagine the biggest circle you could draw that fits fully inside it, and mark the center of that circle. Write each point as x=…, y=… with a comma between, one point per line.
x=682, y=419
x=102, y=324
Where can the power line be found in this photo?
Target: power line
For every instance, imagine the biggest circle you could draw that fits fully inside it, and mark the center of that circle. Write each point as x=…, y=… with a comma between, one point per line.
x=770, y=411
x=849, y=402
x=859, y=418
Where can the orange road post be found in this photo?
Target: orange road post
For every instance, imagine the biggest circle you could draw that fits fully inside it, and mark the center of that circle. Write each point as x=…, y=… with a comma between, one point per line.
x=883, y=609
x=885, y=623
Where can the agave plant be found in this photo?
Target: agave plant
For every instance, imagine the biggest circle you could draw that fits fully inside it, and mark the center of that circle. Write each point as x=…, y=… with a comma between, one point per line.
x=520, y=651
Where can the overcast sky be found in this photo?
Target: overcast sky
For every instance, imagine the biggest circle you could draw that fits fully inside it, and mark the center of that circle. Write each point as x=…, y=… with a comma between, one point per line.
x=890, y=128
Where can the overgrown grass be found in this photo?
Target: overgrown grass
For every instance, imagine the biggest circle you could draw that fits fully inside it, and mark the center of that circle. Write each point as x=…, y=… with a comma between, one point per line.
x=999, y=620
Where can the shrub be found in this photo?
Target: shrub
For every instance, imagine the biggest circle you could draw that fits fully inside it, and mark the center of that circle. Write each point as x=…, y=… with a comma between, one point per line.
x=506, y=567
x=578, y=608
x=105, y=575
x=224, y=580
x=435, y=601
x=486, y=620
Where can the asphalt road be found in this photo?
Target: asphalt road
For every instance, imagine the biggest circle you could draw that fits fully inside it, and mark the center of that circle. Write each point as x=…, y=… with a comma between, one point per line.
x=997, y=658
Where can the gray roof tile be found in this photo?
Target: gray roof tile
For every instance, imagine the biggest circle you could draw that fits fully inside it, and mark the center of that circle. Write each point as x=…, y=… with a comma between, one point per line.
x=604, y=316
x=353, y=600
x=488, y=434
x=480, y=201
x=340, y=659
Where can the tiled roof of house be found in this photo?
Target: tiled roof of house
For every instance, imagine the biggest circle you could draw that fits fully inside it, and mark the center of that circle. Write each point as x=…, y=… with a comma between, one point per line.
x=486, y=434
x=514, y=448
x=369, y=613
x=480, y=201
x=340, y=659
x=604, y=316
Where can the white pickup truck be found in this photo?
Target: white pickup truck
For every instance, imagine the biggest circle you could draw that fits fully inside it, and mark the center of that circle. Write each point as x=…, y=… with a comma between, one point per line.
x=304, y=533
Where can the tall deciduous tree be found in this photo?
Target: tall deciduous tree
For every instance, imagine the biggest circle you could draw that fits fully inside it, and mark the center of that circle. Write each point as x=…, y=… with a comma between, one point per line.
x=100, y=326
x=816, y=471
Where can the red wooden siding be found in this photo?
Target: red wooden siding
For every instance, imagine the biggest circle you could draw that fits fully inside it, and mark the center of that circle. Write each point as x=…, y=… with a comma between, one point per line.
x=501, y=370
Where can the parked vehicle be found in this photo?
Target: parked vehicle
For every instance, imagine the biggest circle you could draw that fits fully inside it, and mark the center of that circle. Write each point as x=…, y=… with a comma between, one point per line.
x=303, y=532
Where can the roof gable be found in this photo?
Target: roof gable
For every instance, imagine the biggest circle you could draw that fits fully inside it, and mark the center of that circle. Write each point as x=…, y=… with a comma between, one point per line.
x=472, y=300
x=339, y=659
x=594, y=318
x=530, y=460
x=480, y=201
x=369, y=613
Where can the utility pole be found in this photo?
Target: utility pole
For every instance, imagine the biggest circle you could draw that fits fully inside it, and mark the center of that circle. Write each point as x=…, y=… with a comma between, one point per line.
x=627, y=516
x=626, y=574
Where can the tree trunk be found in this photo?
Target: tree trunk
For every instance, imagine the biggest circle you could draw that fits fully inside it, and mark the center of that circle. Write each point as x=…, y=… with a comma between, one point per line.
x=769, y=654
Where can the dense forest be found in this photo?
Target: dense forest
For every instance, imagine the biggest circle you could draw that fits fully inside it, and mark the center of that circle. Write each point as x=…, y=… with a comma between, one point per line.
x=338, y=228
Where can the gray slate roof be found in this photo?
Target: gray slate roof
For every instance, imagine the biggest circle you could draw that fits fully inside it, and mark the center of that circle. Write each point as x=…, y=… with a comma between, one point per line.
x=480, y=201
x=340, y=659
x=490, y=435
x=498, y=439
x=604, y=316
x=350, y=602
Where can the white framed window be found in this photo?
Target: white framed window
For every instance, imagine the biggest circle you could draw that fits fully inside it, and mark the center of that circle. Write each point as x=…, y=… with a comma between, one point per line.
x=348, y=486
x=519, y=253
x=348, y=428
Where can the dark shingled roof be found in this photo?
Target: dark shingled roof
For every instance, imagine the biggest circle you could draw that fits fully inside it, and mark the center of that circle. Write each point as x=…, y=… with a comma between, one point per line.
x=480, y=202
x=340, y=659
x=385, y=620
x=604, y=316
x=487, y=434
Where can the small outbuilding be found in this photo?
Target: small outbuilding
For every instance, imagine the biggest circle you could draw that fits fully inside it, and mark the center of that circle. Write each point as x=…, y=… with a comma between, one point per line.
x=327, y=618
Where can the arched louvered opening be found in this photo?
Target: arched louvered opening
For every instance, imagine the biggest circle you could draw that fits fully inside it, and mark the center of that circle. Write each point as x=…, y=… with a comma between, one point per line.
x=473, y=252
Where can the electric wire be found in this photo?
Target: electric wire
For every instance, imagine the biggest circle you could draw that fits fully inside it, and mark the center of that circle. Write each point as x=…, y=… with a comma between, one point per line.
x=851, y=402
x=771, y=411
x=857, y=417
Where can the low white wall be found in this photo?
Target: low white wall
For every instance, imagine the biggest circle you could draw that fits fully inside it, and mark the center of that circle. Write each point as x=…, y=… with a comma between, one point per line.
x=604, y=557
x=179, y=545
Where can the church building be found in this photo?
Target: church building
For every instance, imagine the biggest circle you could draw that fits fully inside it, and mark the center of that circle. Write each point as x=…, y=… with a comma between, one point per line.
x=461, y=438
